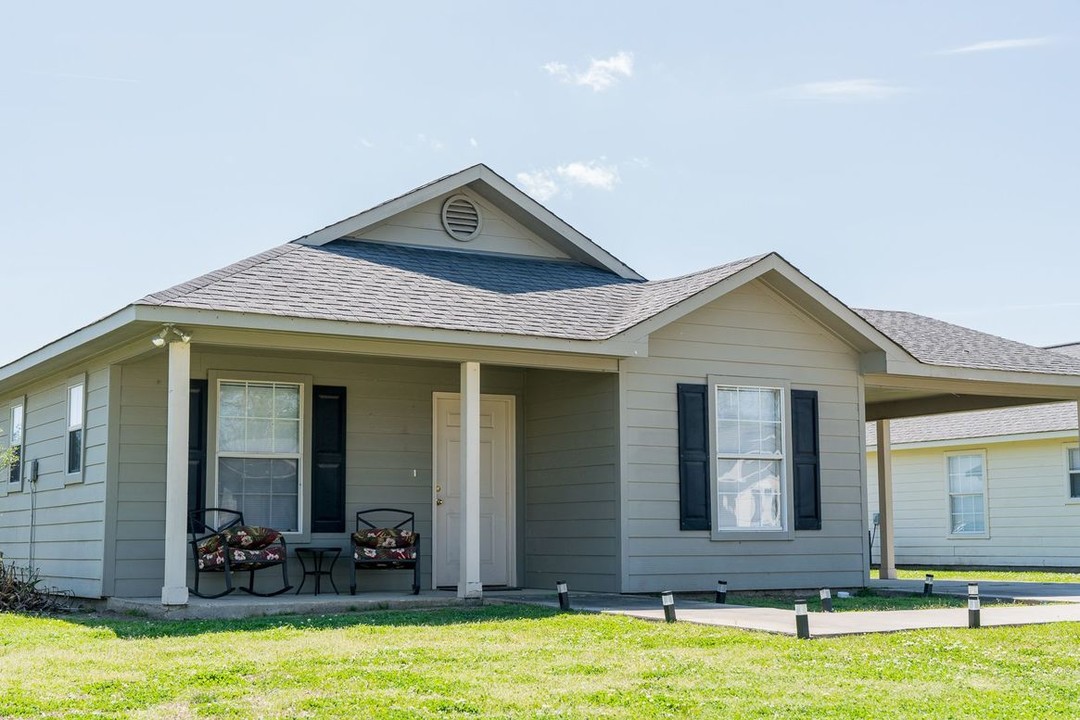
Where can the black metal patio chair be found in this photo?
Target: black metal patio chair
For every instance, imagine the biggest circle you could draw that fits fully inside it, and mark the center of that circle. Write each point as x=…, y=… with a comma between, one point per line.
x=393, y=546
x=222, y=543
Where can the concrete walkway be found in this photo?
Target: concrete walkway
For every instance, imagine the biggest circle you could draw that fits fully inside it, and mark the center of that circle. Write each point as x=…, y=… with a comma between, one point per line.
x=1048, y=603
x=775, y=620
x=1018, y=591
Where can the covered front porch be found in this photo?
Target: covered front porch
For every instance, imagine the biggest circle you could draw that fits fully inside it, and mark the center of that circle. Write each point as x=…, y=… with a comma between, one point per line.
x=508, y=460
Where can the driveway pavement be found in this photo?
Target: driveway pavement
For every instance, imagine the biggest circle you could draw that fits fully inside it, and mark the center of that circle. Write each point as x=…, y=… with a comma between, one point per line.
x=1047, y=603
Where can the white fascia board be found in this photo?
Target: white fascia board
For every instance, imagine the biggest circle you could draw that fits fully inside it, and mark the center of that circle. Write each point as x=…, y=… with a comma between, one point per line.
x=314, y=326
x=390, y=208
x=70, y=343
x=988, y=440
x=500, y=190
x=523, y=203
x=903, y=374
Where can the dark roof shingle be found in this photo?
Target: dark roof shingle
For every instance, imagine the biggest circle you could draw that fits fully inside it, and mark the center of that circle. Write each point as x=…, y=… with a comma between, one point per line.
x=420, y=287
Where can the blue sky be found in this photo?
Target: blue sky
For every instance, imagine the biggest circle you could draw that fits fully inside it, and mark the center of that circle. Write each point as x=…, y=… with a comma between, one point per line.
x=914, y=156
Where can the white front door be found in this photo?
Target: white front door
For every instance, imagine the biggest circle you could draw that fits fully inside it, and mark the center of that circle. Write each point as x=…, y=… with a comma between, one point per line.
x=496, y=489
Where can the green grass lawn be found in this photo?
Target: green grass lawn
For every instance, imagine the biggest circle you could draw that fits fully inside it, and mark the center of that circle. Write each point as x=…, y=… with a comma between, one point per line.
x=1043, y=576
x=523, y=662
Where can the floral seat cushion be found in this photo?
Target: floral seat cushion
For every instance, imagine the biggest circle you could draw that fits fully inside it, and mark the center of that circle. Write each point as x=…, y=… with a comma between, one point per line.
x=385, y=556
x=384, y=538
x=241, y=558
x=246, y=537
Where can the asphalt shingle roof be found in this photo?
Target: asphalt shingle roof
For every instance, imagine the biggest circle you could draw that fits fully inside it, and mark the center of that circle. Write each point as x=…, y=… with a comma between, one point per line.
x=936, y=342
x=420, y=287
x=1054, y=417
x=385, y=284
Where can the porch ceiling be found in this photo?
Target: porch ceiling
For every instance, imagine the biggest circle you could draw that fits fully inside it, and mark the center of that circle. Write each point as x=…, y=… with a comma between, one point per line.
x=892, y=397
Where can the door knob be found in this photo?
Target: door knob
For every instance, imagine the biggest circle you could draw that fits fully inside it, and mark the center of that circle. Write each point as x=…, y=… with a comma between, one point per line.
x=438, y=488
x=438, y=501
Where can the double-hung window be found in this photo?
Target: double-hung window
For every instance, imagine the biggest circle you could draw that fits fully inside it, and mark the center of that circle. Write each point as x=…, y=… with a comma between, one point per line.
x=15, y=443
x=259, y=451
x=967, y=493
x=750, y=461
x=1074, y=473
x=75, y=417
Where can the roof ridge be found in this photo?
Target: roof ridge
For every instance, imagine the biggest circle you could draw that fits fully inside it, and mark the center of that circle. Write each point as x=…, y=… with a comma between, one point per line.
x=186, y=288
x=749, y=260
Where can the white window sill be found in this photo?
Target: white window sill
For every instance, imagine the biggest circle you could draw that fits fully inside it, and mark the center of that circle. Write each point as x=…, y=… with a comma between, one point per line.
x=751, y=535
x=969, y=536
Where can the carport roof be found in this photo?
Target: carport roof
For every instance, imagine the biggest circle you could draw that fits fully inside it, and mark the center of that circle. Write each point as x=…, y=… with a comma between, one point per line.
x=936, y=342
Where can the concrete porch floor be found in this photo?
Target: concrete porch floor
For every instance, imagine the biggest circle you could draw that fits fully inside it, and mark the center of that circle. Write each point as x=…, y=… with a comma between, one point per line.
x=241, y=605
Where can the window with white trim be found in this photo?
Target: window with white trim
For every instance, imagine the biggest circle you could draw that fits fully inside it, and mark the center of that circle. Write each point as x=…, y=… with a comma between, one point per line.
x=259, y=451
x=967, y=493
x=75, y=416
x=1074, y=473
x=750, y=463
x=15, y=443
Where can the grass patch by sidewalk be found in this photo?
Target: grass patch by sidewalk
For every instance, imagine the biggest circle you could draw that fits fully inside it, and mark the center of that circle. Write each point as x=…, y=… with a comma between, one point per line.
x=523, y=662
x=1039, y=576
x=865, y=599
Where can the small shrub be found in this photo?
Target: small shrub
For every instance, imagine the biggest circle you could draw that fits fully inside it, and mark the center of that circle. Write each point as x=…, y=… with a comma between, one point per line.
x=22, y=591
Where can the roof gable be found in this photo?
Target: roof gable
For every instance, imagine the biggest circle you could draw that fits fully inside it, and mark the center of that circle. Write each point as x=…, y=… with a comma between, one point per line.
x=532, y=229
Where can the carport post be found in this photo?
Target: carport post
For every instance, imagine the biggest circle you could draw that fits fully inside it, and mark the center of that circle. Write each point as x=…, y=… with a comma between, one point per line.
x=885, y=497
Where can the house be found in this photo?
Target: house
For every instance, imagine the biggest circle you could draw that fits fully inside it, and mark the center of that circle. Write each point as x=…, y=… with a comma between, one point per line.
x=987, y=488
x=461, y=352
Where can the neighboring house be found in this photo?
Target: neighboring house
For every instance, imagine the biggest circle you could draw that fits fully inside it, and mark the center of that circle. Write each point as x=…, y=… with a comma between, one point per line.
x=988, y=488
x=462, y=352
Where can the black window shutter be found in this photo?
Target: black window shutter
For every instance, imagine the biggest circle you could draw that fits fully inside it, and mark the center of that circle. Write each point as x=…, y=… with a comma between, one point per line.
x=197, y=445
x=328, y=461
x=693, y=457
x=806, y=460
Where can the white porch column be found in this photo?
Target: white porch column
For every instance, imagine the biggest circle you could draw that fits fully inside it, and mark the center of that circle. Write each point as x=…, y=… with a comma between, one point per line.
x=469, y=585
x=175, y=591
x=885, y=498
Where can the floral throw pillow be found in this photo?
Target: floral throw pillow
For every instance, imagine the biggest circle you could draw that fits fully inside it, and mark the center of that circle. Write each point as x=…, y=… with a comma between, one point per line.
x=384, y=538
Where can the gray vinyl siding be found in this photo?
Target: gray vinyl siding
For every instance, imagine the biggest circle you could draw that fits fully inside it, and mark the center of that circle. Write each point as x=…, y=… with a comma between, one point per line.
x=62, y=536
x=748, y=333
x=388, y=453
x=571, y=480
x=139, y=536
x=1031, y=521
x=422, y=226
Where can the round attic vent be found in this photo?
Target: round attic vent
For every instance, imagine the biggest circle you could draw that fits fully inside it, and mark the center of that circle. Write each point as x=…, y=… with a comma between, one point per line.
x=461, y=218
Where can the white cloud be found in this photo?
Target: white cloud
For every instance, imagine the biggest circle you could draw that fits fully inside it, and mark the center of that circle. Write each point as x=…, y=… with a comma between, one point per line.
x=590, y=174
x=993, y=45
x=547, y=183
x=539, y=184
x=473, y=143
x=558, y=70
x=600, y=75
x=366, y=143
x=846, y=90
